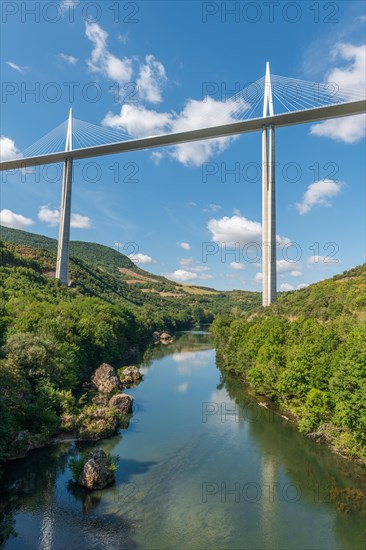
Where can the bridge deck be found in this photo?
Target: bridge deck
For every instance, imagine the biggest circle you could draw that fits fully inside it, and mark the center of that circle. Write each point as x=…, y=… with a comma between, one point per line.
x=241, y=127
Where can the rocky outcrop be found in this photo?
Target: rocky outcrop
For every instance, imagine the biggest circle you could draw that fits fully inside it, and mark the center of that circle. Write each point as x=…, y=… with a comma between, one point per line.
x=97, y=423
x=23, y=442
x=105, y=379
x=122, y=402
x=162, y=337
x=97, y=472
x=130, y=375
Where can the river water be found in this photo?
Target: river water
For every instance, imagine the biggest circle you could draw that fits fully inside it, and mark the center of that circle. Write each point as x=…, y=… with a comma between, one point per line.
x=201, y=466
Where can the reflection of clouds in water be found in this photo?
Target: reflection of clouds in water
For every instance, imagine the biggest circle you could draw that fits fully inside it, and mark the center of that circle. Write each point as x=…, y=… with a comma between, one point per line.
x=221, y=412
x=145, y=370
x=188, y=361
x=183, y=387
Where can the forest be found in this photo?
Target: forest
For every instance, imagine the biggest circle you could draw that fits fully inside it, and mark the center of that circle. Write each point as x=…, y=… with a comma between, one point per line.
x=306, y=357
x=53, y=337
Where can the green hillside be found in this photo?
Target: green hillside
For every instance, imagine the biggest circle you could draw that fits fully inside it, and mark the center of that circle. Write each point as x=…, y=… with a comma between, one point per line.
x=99, y=271
x=52, y=337
x=306, y=356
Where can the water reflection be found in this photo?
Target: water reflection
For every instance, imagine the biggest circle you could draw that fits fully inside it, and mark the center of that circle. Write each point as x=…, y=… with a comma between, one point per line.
x=201, y=466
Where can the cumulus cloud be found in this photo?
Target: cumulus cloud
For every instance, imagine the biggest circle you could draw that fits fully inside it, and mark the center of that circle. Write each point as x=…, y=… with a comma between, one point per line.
x=70, y=59
x=13, y=220
x=317, y=194
x=138, y=121
x=258, y=277
x=352, y=77
x=237, y=265
x=185, y=246
x=183, y=387
x=296, y=273
x=141, y=258
x=102, y=61
x=238, y=229
x=201, y=114
x=52, y=218
x=182, y=275
x=286, y=287
x=284, y=266
x=151, y=80
x=8, y=150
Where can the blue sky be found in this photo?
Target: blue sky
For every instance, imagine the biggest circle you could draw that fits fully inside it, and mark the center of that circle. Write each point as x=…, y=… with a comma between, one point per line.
x=181, y=207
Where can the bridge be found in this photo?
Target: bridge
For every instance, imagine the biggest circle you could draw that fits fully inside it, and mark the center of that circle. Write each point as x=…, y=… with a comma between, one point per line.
x=251, y=110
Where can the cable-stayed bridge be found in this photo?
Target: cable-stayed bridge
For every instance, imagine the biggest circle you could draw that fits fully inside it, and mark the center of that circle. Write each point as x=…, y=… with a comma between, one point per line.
x=250, y=109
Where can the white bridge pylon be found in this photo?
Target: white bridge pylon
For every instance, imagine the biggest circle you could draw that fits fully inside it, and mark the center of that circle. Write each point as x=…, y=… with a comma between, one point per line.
x=269, y=285
x=302, y=101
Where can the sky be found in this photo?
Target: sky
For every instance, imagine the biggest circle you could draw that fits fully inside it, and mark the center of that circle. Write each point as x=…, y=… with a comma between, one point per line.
x=191, y=212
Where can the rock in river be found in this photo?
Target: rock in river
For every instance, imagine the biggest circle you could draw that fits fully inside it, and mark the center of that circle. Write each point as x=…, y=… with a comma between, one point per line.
x=123, y=402
x=131, y=375
x=105, y=379
x=97, y=472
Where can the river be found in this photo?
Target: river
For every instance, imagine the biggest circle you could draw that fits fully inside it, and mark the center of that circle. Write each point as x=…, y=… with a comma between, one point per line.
x=201, y=466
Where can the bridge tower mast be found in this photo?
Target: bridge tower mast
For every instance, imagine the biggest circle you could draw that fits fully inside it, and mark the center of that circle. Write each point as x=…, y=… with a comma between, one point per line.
x=63, y=249
x=269, y=282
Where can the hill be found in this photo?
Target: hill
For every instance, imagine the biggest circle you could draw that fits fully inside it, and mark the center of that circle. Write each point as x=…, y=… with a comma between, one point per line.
x=100, y=271
x=306, y=356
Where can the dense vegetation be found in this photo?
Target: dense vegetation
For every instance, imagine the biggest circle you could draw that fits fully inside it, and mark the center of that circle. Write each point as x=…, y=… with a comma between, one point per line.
x=52, y=337
x=307, y=354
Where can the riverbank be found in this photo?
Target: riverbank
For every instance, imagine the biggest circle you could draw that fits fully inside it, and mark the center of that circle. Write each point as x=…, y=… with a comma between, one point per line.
x=198, y=452
x=309, y=367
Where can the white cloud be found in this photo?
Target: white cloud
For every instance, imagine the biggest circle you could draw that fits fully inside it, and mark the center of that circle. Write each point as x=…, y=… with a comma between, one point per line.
x=16, y=67
x=212, y=208
x=237, y=265
x=102, y=61
x=141, y=258
x=185, y=246
x=16, y=221
x=141, y=122
x=295, y=273
x=68, y=58
x=151, y=80
x=317, y=194
x=8, y=149
x=138, y=121
x=286, y=287
x=302, y=285
x=80, y=222
x=52, y=218
x=258, y=277
x=351, y=77
x=183, y=387
x=284, y=266
x=46, y=215
x=201, y=114
x=238, y=229
x=182, y=275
